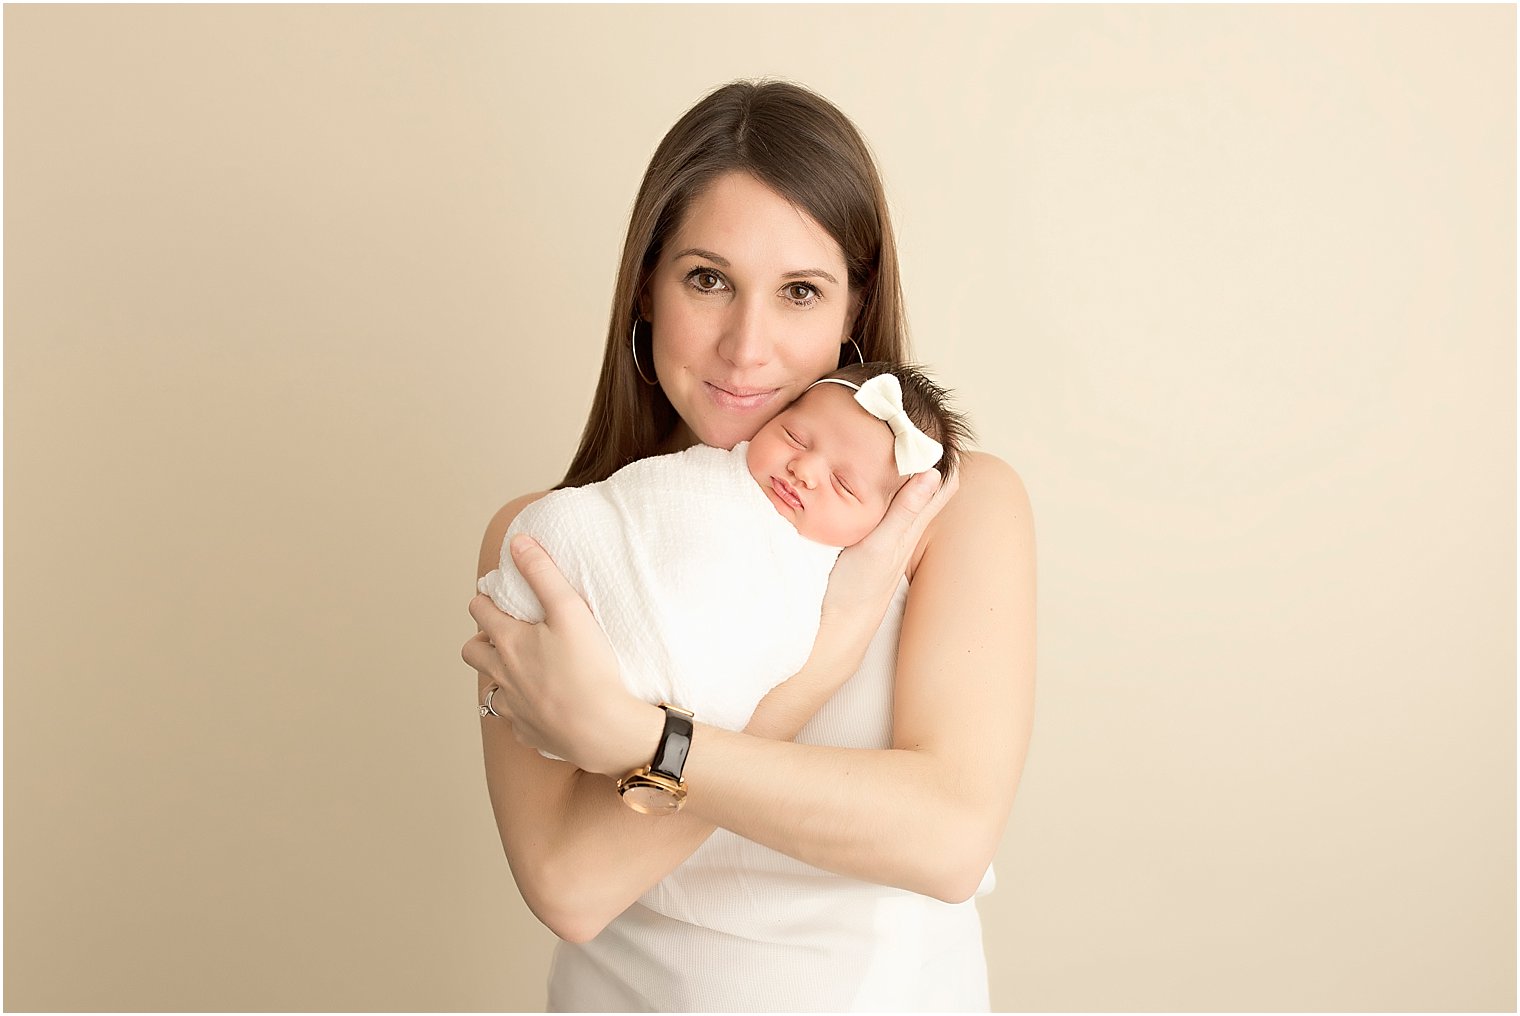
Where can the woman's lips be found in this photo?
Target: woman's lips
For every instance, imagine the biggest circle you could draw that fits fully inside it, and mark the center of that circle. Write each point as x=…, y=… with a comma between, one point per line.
x=785, y=492
x=743, y=400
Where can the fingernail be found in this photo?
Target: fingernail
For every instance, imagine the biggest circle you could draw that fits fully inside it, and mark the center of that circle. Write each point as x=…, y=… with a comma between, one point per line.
x=519, y=544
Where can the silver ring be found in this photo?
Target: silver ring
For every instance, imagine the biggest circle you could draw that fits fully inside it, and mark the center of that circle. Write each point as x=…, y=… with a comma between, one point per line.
x=485, y=707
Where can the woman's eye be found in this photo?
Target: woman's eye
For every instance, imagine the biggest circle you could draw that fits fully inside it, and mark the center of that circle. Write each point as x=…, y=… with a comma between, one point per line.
x=705, y=280
x=801, y=292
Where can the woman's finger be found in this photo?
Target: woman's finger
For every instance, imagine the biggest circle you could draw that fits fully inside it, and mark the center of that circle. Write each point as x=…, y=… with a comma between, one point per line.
x=554, y=592
x=479, y=653
x=942, y=494
x=916, y=504
x=488, y=617
x=917, y=493
x=936, y=503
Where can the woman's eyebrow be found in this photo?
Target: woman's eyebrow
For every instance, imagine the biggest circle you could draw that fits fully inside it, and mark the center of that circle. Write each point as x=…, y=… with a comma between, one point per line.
x=723, y=262
x=718, y=259
x=810, y=273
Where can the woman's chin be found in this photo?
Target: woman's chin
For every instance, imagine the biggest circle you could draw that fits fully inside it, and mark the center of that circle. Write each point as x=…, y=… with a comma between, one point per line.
x=728, y=435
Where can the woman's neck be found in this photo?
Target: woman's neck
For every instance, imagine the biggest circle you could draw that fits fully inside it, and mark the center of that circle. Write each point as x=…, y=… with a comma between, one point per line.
x=679, y=440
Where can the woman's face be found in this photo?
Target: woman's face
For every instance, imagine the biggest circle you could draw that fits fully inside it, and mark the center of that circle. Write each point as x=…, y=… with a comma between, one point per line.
x=749, y=304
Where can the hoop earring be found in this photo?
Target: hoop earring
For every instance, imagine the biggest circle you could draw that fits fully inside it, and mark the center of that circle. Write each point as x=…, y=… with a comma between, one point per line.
x=633, y=337
x=858, y=353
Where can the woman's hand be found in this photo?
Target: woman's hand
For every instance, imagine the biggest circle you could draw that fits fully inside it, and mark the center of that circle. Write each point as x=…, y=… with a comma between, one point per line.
x=558, y=681
x=866, y=575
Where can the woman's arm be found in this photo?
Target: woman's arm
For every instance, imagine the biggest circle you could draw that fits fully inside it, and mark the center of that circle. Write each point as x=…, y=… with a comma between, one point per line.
x=578, y=854
x=540, y=804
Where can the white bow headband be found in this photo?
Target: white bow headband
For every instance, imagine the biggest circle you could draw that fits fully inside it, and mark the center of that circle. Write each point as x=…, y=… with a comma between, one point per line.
x=881, y=396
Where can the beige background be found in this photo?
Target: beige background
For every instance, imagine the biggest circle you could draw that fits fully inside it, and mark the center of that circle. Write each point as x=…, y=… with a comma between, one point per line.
x=297, y=297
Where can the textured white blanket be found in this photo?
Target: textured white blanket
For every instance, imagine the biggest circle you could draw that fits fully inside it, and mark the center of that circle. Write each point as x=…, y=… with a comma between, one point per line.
x=709, y=597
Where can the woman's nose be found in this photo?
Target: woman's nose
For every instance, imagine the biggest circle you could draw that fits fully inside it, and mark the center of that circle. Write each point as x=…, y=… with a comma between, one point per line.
x=746, y=340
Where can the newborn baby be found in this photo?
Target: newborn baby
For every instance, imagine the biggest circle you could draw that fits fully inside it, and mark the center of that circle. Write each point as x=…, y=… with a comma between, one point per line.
x=684, y=558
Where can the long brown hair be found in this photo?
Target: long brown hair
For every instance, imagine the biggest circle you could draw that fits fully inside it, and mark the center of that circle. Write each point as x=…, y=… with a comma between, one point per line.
x=798, y=144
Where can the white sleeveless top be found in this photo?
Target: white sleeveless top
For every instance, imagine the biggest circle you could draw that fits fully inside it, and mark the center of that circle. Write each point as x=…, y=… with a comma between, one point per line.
x=739, y=927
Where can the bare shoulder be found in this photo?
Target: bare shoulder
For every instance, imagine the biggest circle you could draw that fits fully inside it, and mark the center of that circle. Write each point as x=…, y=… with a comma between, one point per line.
x=988, y=481
x=991, y=505
x=496, y=530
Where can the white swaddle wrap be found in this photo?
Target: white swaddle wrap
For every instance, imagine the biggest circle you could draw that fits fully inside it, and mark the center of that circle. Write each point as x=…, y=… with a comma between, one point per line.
x=709, y=597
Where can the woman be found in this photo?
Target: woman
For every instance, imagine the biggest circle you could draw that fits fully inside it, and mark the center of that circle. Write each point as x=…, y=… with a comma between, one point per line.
x=826, y=856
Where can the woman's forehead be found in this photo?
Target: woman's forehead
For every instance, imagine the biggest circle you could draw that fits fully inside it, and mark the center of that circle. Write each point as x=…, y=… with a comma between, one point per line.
x=748, y=224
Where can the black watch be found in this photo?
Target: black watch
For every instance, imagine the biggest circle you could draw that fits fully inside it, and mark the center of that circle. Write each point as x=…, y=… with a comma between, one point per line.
x=657, y=789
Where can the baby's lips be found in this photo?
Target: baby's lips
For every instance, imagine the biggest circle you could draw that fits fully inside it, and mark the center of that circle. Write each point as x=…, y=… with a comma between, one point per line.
x=787, y=492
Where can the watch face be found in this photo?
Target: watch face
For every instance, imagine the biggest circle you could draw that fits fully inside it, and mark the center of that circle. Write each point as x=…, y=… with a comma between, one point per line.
x=651, y=799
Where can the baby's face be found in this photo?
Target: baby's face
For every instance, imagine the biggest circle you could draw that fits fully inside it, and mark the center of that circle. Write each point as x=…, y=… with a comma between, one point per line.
x=827, y=466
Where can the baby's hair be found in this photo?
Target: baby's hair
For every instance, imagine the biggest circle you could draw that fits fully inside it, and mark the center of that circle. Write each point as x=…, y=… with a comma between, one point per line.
x=926, y=403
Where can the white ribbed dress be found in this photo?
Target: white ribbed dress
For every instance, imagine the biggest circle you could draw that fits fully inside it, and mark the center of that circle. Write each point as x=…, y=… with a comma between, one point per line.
x=739, y=927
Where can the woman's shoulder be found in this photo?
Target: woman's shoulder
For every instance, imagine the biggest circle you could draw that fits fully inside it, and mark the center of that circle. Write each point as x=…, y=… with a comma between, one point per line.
x=985, y=476
x=990, y=490
x=496, y=529
x=991, y=505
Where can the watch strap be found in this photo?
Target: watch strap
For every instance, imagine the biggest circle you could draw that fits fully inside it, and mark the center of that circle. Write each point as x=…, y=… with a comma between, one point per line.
x=675, y=742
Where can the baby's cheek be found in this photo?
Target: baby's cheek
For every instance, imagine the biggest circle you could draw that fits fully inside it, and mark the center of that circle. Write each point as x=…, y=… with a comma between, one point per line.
x=752, y=461
x=864, y=524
